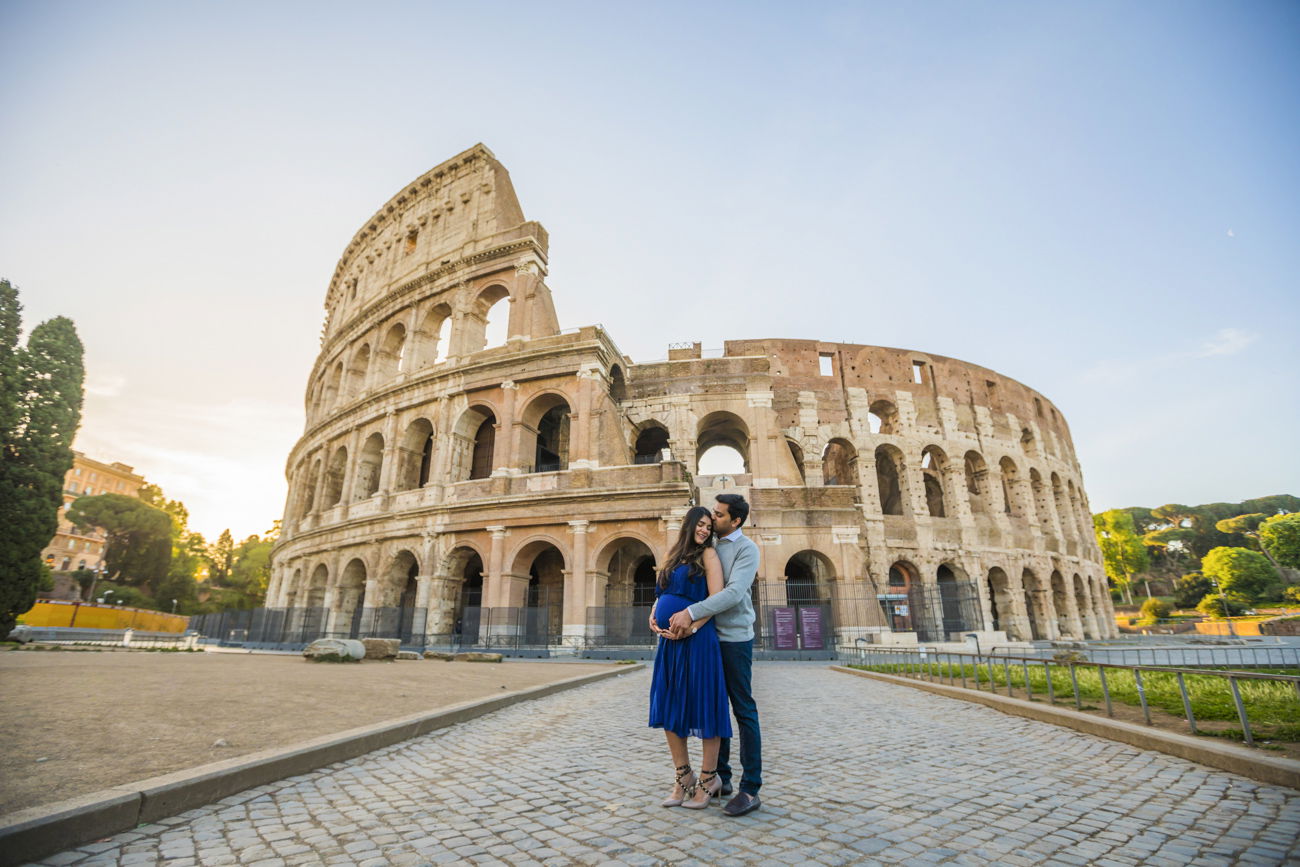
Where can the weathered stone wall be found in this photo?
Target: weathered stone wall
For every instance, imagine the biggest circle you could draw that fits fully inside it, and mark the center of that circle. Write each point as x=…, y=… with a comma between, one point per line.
x=549, y=472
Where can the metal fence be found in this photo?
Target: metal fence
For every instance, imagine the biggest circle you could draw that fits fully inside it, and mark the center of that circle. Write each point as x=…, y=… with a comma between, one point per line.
x=104, y=637
x=996, y=672
x=1254, y=655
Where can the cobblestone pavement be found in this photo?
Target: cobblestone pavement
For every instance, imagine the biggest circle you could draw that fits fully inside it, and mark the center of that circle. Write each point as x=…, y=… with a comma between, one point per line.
x=857, y=772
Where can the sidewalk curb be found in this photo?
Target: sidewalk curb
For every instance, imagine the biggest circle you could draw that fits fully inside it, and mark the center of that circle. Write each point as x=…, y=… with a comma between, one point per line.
x=1226, y=757
x=31, y=834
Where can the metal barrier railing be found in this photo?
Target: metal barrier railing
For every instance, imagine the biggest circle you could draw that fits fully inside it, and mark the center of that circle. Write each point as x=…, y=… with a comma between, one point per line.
x=107, y=637
x=985, y=670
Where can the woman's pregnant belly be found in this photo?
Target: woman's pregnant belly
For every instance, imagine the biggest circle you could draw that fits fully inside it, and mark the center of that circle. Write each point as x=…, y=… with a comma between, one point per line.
x=668, y=605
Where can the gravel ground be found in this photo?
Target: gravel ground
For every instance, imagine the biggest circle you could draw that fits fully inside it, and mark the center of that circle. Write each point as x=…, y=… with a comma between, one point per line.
x=74, y=722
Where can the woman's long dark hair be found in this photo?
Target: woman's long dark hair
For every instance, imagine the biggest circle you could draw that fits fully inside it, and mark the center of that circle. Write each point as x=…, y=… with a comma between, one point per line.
x=685, y=549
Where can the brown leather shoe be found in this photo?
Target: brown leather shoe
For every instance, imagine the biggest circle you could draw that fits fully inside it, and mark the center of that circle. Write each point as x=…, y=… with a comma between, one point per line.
x=743, y=803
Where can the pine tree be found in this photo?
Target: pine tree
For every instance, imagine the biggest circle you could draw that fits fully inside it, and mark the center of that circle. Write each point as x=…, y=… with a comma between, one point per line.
x=40, y=408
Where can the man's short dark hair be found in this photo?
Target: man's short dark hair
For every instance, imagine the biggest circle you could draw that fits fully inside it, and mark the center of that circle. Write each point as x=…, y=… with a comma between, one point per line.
x=737, y=507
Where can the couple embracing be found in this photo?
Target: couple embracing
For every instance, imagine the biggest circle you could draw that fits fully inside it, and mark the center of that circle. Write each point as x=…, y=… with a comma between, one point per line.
x=705, y=622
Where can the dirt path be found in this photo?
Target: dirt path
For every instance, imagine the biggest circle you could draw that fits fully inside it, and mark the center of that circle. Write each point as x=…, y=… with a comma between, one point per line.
x=74, y=722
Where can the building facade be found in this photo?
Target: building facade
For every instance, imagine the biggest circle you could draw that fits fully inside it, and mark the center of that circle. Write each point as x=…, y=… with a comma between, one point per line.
x=450, y=485
x=71, y=549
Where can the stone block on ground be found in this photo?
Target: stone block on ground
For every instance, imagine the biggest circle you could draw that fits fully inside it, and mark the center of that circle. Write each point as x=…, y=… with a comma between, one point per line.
x=439, y=654
x=343, y=648
x=381, y=648
x=475, y=656
x=408, y=654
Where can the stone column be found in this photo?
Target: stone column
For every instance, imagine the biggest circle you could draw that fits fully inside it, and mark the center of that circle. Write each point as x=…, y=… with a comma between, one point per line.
x=762, y=463
x=322, y=479
x=576, y=591
x=350, y=468
x=507, y=437
x=493, y=594
x=580, y=426
x=388, y=473
x=527, y=276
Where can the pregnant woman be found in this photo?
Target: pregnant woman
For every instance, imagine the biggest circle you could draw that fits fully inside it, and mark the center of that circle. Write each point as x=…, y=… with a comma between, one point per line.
x=688, y=695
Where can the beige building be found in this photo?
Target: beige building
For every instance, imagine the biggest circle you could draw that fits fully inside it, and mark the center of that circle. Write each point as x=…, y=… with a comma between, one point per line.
x=521, y=489
x=70, y=549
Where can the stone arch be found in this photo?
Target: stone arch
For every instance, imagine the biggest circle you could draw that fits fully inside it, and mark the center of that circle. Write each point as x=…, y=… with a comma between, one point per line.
x=541, y=561
x=415, y=455
x=357, y=371
x=977, y=482
x=1011, y=497
x=629, y=563
x=839, y=463
x=457, y=610
x=546, y=422
x=488, y=319
x=313, y=595
x=397, y=582
x=1060, y=603
x=723, y=430
x=1062, y=508
x=332, y=395
x=292, y=588
x=902, y=577
x=934, y=470
x=390, y=358
x=889, y=479
x=617, y=384
x=1080, y=527
x=474, y=444
x=1083, y=602
x=1042, y=511
x=370, y=467
x=350, y=598
x=435, y=331
x=808, y=576
x=882, y=417
x=958, y=607
x=1035, y=596
x=307, y=499
x=650, y=443
x=334, y=476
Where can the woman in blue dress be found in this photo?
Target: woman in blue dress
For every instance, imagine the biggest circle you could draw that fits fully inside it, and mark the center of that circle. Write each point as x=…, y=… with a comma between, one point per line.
x=688, y=694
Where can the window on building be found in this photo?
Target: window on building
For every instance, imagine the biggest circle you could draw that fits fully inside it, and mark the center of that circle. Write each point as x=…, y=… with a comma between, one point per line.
x=826, y=362
x=917, y=368
x=72, y=487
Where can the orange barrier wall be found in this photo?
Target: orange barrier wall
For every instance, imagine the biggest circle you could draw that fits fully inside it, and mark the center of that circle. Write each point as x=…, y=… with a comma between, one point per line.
x=85, y=615
x=1220, y=627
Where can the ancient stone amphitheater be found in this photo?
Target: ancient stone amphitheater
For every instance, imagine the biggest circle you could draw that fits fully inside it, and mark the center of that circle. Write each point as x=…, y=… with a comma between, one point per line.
x=513, y=484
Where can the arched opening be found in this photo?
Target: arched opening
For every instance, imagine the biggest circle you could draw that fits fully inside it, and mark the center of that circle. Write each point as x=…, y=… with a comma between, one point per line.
x=897, y=604
x=977, y=473
x=415, y=455
x=357, y=370
x=957, y=600
x=807, y=579
x=1042, y=510
x=390, y=357
x=722, y=430
x=552, y=451
x=333, y=387
x=882, y=417
x=650, y=445
x=290, y=593
x=334, y=477
x=1060, y=604
x=314, y=596
x=465, y=623
x=435, y=334
x=888, y=472
x=1075, y=513
x=629, y=592
x=617, y=384
x=839, y=463
x=796, y=452
x=1062, y=508
x=403, y=573
x=309, y=490
x=494, y=303
x=370, y=467
x=1083, y=602
x=543, y=603
x=1011, y=504
x=474, y=444
x=351, y=602
x=934, y=464
x=1035, y=604
x=1001, y=603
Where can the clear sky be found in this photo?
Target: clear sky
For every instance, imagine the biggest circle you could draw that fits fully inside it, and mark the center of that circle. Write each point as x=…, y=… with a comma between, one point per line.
x=1101, y=200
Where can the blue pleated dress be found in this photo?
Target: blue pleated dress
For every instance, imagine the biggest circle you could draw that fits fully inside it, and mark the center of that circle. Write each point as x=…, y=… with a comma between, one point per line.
x=688, y=693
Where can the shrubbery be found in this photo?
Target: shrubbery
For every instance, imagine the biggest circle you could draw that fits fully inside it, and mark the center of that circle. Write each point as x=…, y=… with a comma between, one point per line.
x=1191, y=589
x=1292, y=595
x=1154, y=609
x=1214, y=605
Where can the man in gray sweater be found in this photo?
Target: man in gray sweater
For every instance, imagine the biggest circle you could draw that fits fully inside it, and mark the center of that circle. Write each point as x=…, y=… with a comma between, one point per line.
x=733, y=615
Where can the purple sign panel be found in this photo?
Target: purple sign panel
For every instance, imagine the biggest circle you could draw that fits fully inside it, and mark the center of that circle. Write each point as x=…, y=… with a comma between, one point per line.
x=810, y=626
x=783, y=629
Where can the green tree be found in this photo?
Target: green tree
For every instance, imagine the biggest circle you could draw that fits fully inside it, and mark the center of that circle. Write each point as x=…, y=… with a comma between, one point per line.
x=1280, y=538
x=1247, y=527
x=1154, y=610
x=1191, y=589
x=1122, y=550
x=1218, y=606
x=138, y=542
x=221, y=558
x=1241, y=571
x=40, y=409
x=189, y=553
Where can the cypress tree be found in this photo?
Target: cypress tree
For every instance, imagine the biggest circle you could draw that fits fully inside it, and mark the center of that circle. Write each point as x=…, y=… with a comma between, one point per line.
x=40, y=408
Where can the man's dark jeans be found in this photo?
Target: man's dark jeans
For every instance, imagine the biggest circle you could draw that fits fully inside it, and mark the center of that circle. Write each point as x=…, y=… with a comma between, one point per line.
x=737, y=667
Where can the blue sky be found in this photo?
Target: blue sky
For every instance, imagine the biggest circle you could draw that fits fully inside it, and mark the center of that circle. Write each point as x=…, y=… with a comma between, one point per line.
x=1099, y=199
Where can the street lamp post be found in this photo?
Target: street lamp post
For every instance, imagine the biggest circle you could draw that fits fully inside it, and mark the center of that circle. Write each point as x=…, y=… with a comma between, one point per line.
x=173, y=606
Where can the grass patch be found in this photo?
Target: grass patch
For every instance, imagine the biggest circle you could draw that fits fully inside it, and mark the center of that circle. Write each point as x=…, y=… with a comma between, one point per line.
x=1272, y=707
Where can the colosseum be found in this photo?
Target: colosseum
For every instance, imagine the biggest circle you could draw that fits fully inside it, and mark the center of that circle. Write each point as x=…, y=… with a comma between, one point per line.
x=472, y=474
